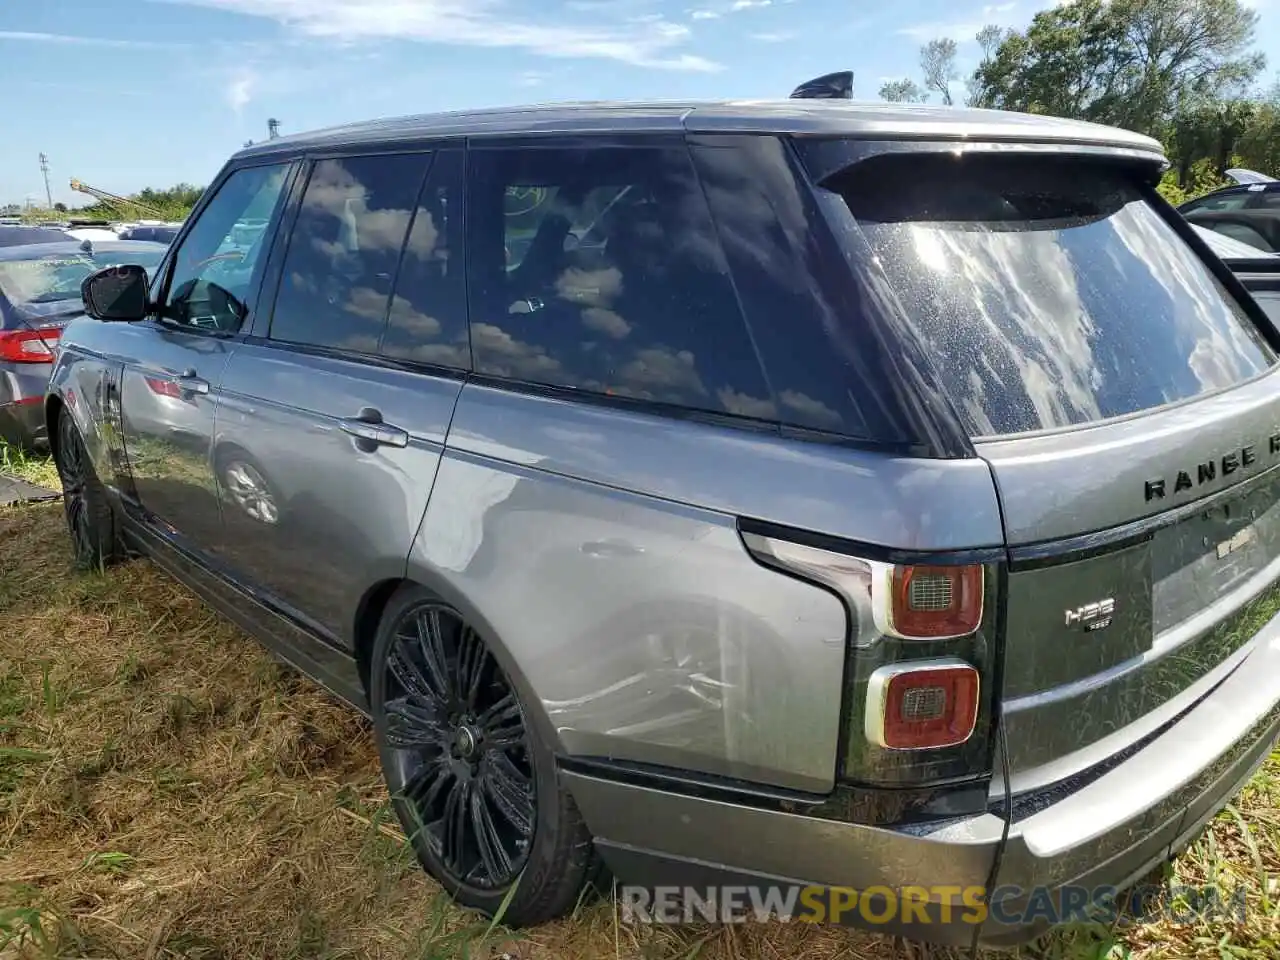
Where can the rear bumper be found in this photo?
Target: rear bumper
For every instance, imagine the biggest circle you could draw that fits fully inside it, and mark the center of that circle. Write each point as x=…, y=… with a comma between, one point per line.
x=1107, y=834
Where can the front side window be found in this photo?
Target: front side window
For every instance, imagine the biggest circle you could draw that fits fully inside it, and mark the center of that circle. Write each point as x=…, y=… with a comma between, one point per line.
x=599, y=269
x=217, y=266
x=335, y=284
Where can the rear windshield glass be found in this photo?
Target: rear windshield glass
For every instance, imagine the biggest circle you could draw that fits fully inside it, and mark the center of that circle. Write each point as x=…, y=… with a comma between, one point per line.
x=1049, y=294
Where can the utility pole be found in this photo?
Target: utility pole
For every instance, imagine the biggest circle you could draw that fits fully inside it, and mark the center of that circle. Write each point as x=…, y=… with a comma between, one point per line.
x=44, y=168
x=273, y=128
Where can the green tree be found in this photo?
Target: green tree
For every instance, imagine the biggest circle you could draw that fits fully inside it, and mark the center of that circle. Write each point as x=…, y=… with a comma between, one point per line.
x=1131, y=63
x=938, y=64
x=902, y=91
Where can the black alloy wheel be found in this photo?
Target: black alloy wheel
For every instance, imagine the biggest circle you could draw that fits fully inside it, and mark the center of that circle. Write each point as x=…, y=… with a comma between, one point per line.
x=95, y=538
x=461, y=751
x=471, y=772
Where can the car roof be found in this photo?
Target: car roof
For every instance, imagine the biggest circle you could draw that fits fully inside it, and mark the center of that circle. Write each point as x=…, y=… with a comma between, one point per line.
x=11, y=236
x=31, y=251
x=790, y=116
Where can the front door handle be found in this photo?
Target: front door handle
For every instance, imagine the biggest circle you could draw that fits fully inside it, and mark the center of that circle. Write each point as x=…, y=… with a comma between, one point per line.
x=190, y=383
x=383, y=434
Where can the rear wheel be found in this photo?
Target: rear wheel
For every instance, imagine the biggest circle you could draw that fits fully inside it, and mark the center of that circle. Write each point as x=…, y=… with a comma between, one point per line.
x=472, y=782
x=93, y=525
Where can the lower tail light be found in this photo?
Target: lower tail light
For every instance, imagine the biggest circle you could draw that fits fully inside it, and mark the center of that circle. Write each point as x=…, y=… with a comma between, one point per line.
x=922, y=705
x=29, y=346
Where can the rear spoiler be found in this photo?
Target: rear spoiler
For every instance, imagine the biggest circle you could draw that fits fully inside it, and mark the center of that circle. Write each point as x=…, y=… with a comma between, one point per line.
x=830, y=86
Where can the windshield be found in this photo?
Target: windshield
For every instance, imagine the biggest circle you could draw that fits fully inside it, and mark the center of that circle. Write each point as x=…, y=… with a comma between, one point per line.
x=1050, y=294
x=53, y=277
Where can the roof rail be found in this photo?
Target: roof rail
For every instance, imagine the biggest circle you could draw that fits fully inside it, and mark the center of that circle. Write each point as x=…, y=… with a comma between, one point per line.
x=830, y=86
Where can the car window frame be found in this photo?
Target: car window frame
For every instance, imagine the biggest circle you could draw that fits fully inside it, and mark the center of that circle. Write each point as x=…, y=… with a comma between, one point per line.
x=269, y=291
x=159, y=290
x=610, y=141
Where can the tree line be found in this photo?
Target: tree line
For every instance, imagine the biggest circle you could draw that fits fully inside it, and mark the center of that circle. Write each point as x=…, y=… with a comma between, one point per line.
x=1182, y=71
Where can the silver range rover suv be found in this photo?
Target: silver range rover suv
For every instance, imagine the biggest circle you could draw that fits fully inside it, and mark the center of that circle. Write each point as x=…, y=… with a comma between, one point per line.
x=774, y=492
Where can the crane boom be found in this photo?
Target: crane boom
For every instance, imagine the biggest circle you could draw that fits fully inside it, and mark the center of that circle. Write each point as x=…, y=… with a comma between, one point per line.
x=79, y=186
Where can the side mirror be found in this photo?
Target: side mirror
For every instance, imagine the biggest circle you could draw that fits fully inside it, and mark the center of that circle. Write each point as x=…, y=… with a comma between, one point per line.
x=116, y=293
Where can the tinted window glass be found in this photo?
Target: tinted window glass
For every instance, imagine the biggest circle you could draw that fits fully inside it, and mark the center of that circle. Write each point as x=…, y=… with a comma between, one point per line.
x=335, y=284
x=1242, y=233
x=1224, y=201
x=599, y=269
x=428, y=318
x=823, y=368
x=1270, y=199
x=217, y=267
x=1048, y=294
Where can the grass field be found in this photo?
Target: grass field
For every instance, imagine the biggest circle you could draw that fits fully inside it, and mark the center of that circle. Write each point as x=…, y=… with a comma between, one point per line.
x=167, y=790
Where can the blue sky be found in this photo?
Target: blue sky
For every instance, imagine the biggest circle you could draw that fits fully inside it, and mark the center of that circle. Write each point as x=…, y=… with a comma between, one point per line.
x=131, y=93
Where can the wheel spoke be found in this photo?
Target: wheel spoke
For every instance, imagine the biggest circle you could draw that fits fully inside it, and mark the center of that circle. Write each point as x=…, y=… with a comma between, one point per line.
x=505, y=729
x=453, y=828
x=413, y=726
x=430, y=635
x=493, y=856
x=423, y=789
x=471, y=662
x=412, y=677
x=510, y=790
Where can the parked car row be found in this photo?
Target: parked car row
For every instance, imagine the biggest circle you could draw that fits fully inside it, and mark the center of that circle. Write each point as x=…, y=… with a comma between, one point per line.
x=1248, y=212
x=869, y=496
x=41, y=269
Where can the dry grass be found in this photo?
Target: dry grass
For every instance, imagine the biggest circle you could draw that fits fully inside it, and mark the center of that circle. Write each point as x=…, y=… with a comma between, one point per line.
x=167, y=790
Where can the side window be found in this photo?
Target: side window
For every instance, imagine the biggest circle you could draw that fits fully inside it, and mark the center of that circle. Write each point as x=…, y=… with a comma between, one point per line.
x=1225, y=201
x=1270, y=200
x=335, y=283
x=216, y=268
x=599, y=269
x=428, y=317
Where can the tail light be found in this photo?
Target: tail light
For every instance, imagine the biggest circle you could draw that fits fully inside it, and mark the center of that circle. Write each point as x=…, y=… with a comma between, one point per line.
x=925, y=704
x=921, y=641
x=29, y=346
x=931, y=603
x=165, y=388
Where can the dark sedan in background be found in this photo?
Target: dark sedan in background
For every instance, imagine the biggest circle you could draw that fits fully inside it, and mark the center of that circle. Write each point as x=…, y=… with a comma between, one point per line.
x=39, y=294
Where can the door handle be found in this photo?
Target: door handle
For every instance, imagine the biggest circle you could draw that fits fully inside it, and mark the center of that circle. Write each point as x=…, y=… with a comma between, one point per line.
x=190, y=383
x=383, y=434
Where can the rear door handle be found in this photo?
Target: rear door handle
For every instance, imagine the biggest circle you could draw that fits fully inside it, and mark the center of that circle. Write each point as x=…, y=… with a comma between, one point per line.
x=383, y=434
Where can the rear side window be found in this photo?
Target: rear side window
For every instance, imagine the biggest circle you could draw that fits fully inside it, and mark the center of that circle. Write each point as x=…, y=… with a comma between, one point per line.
x=427, y=321
x=335, y=284
x=598, y=269
x=1048, y=294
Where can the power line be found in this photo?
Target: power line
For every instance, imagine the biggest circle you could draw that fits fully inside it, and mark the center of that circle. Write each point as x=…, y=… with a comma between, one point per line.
x=44, y=168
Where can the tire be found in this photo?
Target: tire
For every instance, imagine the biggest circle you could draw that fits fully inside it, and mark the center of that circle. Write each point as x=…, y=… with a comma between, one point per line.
x=96, y=540
x=449, y=745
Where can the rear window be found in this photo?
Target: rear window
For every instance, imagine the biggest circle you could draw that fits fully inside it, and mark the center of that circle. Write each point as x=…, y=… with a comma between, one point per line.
x=1048, y=294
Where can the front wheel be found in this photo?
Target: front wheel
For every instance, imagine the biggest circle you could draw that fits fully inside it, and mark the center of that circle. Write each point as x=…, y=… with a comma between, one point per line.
x=92, y=523
x=473, y=783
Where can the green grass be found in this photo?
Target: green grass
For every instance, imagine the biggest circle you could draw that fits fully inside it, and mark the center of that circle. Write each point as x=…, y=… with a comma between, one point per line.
x=34, y=468
x=168, y=791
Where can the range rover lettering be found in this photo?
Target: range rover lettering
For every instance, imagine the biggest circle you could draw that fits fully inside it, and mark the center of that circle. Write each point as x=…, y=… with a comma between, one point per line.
x=794, y=489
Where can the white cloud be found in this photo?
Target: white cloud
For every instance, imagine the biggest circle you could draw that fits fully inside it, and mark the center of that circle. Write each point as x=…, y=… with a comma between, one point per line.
x=703, y=15
x=69, y=39
x=965, y=29
x=480, y=23
x=750, y=4
x=776, y=36
x=240, y=90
